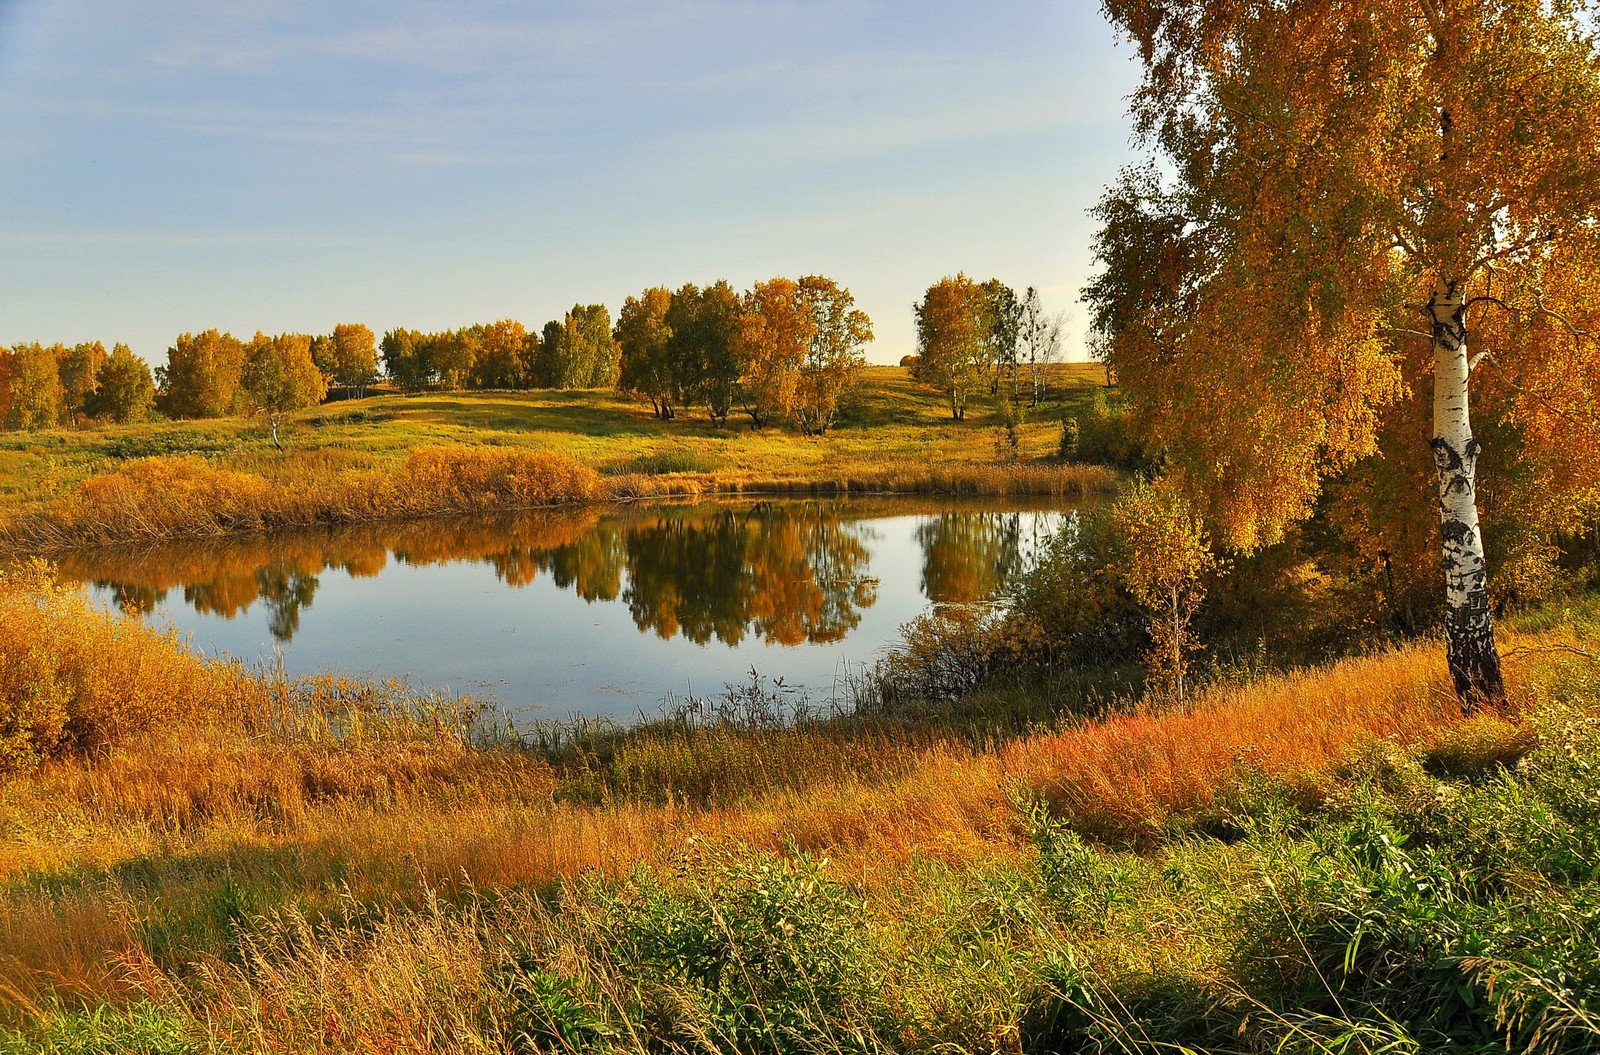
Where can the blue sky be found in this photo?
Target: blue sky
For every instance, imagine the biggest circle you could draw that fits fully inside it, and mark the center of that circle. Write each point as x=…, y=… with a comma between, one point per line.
x=285, y=166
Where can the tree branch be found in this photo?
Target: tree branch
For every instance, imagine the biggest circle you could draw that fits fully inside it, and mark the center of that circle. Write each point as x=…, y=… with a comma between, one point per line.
x=1489, y=360
x=1490, y=300
x=1537, y=650
x=1538, y=303
x=1401, y=331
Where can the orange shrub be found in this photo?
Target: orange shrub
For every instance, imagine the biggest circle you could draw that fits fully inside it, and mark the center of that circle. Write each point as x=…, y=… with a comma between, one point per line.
x=72, y=678
x=189, y=497
x=472, y=479
x=163, y=498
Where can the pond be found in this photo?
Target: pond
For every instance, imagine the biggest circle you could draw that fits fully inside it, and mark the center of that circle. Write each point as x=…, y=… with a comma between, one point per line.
x=593, y=612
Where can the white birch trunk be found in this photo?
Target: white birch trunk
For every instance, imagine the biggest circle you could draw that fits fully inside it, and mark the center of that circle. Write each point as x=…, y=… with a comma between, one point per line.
x=1469, y=623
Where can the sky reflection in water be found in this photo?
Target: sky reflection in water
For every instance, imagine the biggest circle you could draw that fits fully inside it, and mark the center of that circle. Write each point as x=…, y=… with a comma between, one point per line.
x=589, y=612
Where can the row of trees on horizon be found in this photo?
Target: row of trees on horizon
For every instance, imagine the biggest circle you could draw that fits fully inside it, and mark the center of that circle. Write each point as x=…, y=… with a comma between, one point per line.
x=785, y=350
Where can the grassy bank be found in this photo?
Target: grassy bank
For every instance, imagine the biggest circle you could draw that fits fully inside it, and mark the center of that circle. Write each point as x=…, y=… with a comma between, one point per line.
x=392, y=456
x=237, y=865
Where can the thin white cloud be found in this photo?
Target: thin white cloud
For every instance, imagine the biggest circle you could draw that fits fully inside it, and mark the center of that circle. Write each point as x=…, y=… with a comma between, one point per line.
x=216, y=239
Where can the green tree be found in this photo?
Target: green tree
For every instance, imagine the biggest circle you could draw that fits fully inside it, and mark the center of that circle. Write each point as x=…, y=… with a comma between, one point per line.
x=1004, y=313
x=407, y=358
x=1361, y=195
x=454, y=354
x=79, y=367
x=279, y=376
x=954, y=347
x=547, y=365
x=591, y=358
x=704, y=346
x=126, y=390
x=832, y=360
x=645, y=338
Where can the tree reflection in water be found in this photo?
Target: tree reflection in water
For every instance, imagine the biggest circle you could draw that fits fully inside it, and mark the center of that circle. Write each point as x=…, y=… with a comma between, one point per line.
x=969, y=557
x=782, y=572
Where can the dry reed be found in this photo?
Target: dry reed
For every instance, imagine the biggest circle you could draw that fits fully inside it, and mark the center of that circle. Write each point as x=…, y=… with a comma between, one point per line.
x=186, y=496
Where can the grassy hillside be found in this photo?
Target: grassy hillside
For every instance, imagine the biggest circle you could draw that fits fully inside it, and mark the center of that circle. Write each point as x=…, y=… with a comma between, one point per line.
x=393, y=456
x=1333, y=860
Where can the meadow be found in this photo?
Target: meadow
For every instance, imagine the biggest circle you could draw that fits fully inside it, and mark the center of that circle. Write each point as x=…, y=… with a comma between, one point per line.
x=194, y=857
x=394, y=456
x=199, y=857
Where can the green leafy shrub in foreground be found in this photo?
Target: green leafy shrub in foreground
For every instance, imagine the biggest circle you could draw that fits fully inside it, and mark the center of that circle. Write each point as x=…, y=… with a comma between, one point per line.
x=761, y=955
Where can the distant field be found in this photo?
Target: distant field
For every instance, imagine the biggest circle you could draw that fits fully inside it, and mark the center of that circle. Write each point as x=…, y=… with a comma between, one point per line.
x=893, y=434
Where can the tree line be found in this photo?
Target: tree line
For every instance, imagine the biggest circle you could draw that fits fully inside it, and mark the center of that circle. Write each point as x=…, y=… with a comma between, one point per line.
x=980, y=336
x=785, y=350
x=44, y=386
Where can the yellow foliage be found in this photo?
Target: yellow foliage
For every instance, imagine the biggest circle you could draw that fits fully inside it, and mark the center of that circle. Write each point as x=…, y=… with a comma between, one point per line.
x=74, y=679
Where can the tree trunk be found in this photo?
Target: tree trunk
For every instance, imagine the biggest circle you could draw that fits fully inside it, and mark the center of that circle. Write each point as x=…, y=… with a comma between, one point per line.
x=1469, y=624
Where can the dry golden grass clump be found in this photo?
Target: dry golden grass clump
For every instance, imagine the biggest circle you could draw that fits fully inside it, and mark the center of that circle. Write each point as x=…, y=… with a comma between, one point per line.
x=1127, y=778
x=184, y=496
x=74, y=680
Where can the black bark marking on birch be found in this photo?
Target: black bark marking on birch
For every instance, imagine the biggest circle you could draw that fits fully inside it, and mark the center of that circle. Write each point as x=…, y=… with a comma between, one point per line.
x=1469, y=621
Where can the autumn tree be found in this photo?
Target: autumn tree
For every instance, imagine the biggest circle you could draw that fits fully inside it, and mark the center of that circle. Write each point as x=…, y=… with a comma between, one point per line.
x=79, y=370
x=125, y=391
x=1163, y=560
x=954, y=349
x=775, y=332
x=32, y=382
x=645, y=339
x=279, y=376
x=201, y=378
x=500, y=359
x=832, y=360
x=1374, y=211
x=355, y=357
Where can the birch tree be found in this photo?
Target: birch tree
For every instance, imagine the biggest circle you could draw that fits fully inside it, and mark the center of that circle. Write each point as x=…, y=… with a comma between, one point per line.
x=1039, y=338
x=775, y=330
x=953, y=339
x=1359, y=194
x=833, y=359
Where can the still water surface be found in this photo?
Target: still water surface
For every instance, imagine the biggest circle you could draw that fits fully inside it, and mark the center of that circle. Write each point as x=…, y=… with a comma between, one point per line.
x=595, y=613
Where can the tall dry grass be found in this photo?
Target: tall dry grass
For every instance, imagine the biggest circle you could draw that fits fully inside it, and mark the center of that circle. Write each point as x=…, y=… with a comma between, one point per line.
x=1128, y=778
x=206, y=801
x=73, y=680
x=186, y=496
x=189, y=497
